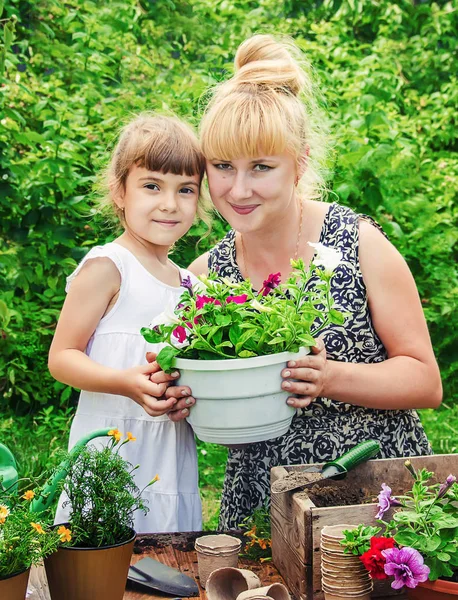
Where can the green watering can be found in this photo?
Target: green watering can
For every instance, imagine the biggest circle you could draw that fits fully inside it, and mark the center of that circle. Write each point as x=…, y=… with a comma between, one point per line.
x=9, y=476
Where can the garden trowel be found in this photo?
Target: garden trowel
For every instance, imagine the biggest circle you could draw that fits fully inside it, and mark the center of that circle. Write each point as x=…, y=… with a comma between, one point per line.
x=157, y=576
x=335, y=469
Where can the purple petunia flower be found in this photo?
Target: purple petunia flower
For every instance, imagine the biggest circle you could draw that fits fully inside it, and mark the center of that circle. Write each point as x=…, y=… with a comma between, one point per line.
x=187, y=284
x=406, y=565
x=385, y=501
x=446, y=485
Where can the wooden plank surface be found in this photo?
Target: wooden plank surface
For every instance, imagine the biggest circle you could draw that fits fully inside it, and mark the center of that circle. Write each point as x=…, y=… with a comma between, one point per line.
x=174, y=550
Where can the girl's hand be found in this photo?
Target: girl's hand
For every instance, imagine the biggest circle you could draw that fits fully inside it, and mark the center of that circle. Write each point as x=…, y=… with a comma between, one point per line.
x=181, y=394
x=311, y=371
x=146, y=385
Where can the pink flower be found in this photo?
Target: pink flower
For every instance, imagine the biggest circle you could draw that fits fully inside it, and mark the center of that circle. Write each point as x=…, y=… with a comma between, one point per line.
x=406, y=565
x=270, y=283
x=237, y=299
x=202, y=300
x=180, y=333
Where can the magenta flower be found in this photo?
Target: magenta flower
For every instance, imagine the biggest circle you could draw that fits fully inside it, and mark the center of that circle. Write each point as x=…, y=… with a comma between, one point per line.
x=237, y=299
x=202, y=300
x=407, y=566
x=270, y=283
x=187, y=284
x=180, y=333
x=446, y=485
x=385, y=501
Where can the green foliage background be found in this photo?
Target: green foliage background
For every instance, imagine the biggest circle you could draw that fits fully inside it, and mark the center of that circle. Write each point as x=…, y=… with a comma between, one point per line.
x=71, y=72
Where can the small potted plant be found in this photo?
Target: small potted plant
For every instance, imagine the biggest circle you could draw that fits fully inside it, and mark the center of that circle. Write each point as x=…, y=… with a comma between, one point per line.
x=103, y=497
x=25, y=540
x=419, y=545
x=230, y=344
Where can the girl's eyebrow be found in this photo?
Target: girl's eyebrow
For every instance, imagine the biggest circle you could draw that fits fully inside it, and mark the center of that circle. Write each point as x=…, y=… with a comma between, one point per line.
x=158, y=179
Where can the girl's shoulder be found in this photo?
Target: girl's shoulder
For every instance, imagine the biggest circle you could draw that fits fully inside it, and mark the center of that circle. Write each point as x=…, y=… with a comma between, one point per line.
x=111, y=251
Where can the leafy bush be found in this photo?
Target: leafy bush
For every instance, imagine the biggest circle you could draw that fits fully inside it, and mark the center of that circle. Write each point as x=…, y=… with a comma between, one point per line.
x=71, y=72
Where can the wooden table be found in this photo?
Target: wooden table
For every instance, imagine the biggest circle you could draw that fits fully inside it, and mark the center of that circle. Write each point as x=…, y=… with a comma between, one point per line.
x=175, y=550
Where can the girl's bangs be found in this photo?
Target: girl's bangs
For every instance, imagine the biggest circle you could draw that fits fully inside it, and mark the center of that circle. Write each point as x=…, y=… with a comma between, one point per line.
x=173, y=154
x=243, y=129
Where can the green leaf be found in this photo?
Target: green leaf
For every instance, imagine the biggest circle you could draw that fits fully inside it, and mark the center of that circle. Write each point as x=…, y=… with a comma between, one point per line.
x=234, y=334
x=444, y=556
x=166, y=358
x=151, y=336
x=336, y=317
x=246, y=354
x=223, y=320
x=8, y=35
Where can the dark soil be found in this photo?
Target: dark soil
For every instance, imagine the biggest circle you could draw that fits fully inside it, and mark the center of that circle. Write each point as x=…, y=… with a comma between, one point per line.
x=328, y=495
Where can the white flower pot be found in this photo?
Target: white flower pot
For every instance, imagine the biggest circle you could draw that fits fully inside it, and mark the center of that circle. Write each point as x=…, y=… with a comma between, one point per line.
x=240, y=400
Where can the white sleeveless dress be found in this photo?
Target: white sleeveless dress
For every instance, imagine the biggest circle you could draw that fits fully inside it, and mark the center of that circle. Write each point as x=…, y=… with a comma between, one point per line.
x=162, y=446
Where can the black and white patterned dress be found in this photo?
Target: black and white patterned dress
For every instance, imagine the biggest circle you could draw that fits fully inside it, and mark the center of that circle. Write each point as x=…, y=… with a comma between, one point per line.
x=326, y=428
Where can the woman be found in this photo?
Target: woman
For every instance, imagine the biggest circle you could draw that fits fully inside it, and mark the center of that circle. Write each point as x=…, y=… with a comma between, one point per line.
x=363, y=379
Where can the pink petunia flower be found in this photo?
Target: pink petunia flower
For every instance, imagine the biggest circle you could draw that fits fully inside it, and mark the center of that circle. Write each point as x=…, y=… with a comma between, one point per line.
x=406, y=565
x=270, y=283
x=180, y=333
x=202, y=300
x=237, y=299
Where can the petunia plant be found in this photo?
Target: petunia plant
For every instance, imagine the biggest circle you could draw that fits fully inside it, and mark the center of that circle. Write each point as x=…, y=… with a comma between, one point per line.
x=219, y=319
x=25, y=537
x=420, y=542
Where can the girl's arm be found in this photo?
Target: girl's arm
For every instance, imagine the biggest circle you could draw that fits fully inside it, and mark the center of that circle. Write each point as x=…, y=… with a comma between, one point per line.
x=410, y=377
x=90, y=294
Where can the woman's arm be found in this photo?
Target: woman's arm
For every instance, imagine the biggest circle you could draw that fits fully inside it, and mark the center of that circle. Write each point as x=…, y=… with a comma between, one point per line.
x=89, y=296
x=410, y=377
x=200, y=265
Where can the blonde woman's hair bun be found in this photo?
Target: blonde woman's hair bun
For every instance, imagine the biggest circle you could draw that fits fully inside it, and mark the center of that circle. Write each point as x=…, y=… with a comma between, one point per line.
x=264, y=61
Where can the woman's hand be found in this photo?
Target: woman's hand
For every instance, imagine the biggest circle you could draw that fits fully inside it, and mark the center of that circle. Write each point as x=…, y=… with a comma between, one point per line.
x=180, y=395
x=146, y=385
x=311, y=372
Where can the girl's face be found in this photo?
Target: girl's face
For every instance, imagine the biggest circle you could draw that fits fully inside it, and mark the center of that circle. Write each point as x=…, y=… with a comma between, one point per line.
x=253, y=193
x=159, y=208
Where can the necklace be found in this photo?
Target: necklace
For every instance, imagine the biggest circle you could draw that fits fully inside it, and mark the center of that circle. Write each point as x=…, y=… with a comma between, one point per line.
x=296, y=253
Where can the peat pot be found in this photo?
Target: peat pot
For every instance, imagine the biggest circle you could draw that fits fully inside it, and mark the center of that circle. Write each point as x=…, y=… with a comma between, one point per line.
x=14, y=587
x=89, y=573
x=239, y=400
x=434, y=590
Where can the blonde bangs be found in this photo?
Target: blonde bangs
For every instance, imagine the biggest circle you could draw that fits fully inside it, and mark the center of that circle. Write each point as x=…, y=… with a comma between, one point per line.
x=245, y=125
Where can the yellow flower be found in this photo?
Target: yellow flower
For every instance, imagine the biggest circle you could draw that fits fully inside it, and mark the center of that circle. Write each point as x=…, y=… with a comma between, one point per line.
x=130, y=437
x=38, y=528
x=252, y=532
x=116, y=434
x=29, y=495
x=64, y=533
x=4, y=512
x=155, y=478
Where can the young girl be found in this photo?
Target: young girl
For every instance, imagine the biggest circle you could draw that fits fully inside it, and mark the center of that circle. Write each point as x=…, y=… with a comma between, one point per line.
x=154, y=180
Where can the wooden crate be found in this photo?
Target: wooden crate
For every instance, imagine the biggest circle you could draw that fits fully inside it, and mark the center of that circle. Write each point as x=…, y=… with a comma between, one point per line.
x=297, y=522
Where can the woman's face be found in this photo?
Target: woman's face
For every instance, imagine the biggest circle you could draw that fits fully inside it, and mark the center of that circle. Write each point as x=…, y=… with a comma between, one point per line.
x=253, y=193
